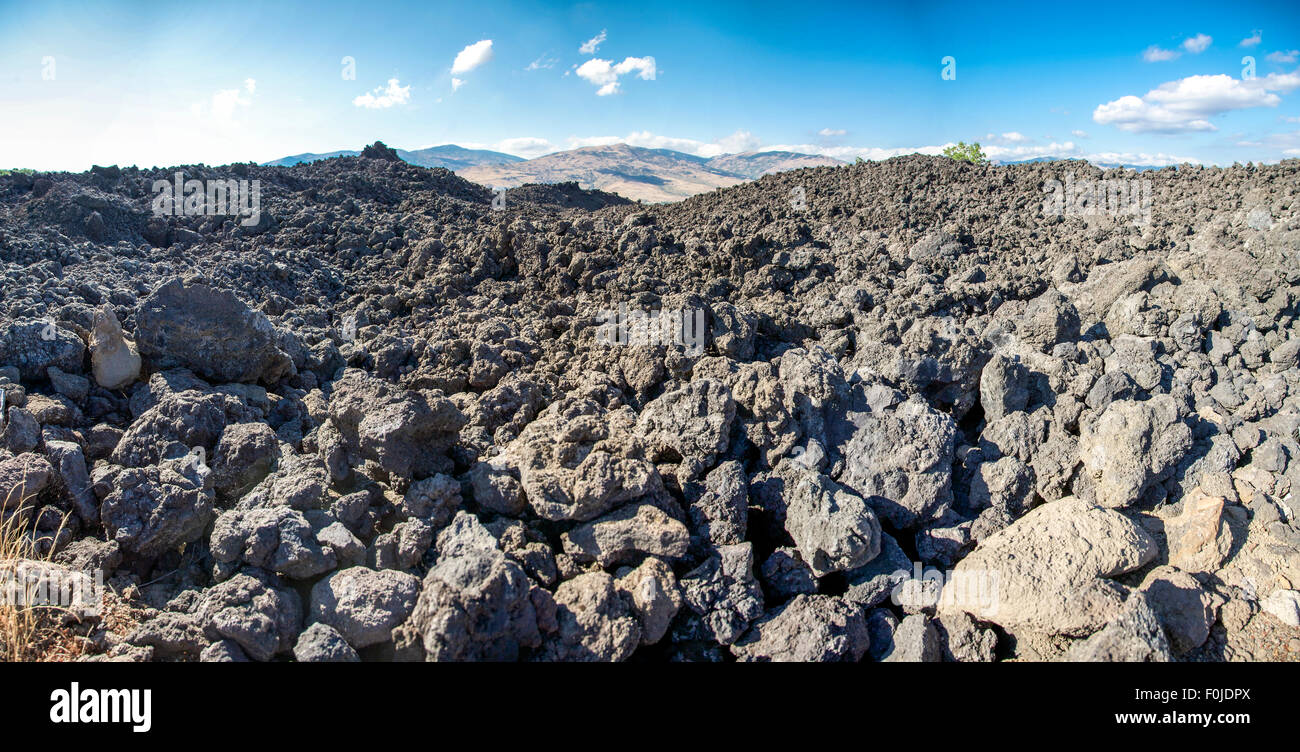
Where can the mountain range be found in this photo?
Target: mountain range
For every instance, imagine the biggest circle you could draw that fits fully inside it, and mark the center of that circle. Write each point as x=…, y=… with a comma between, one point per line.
x=638, y=173
x=450, y=156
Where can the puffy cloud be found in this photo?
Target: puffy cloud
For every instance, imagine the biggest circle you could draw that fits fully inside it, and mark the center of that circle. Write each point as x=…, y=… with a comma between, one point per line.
x=589, y=47
x=605, y=74
x=1154, y=54
x=472, y=56
x=1251, y=40
x=524, y=146
x=1197, y=44
x=220, y=109
x=1185, y=105
x=1283, y=56
x=384, y=97
x=736, y=142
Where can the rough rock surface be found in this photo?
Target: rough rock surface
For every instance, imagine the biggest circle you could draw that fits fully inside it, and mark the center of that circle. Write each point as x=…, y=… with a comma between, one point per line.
x=392, y=401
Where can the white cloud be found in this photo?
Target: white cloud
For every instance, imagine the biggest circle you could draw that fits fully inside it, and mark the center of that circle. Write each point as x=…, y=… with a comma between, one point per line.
x=739, y=141
x=1079, y=134
x=456, y=83
x=1017, y=153
x=1251, y=40
x=1291, y=152
x=524, y=146
x=384, y=97
x=1283, y=57
x=589, y=47
x=1154, y=54
x=1141, y=158
x=472, y=56
x=221, y=108
x=250, y=85
x=1186, y=105
x=542, y=62
x=1197, y=44
x=831, y=132
x=605, y=74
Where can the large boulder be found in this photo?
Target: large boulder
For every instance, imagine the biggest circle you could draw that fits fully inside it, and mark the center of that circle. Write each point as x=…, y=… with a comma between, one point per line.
x=405, y=432
x=597, y=622
x=155, y=509
x=1132, y=445
x=34, y=346
x=211, y=332
x=1050, y=571
x=901, y=461
x=474, y=606
x=263, y=619
x=833, y=527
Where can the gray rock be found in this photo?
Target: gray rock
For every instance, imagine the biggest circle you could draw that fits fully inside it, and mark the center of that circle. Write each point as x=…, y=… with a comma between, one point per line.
x=816, y=628
x=901, y=463
x=871, y=584
x=321, y=643
x=834, y=528
x=34, y=346
x=720, y=515
x=364, y=605
x=724, y=593
x=916, y=640
x=244, y=455
x=70, y=385
x=22, y=432
x=785, y=575
x=1049, y=319
x=964, y=641
x=263, y=620
x=1004, y=387
x=211, y=332
x=477, y=606
x=278, y=539
x=152, y=510
x=70, y=467
x=655, y=597
x=1133, y=636
x=406, y=432
x=596, y=623
x=694, y=422
x=1132, y=445
x=1181, y=605
x=626, y=535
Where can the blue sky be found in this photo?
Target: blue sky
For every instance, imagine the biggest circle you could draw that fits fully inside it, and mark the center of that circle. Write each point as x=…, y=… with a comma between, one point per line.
x=162, y=83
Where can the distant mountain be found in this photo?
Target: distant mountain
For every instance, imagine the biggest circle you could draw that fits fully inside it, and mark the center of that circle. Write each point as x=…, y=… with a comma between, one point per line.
x=651, y=175
x=756, y=164
x=633, y=172
x=1102, y=165
x=449, y=156
x=455, y=157
x=308, y=157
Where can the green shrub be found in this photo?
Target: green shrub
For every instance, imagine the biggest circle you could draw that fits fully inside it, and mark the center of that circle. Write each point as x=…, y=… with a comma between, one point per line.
x=966, y=152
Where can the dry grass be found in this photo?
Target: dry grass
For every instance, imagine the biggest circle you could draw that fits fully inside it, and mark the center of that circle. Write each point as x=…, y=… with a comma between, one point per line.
x=31, y=632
